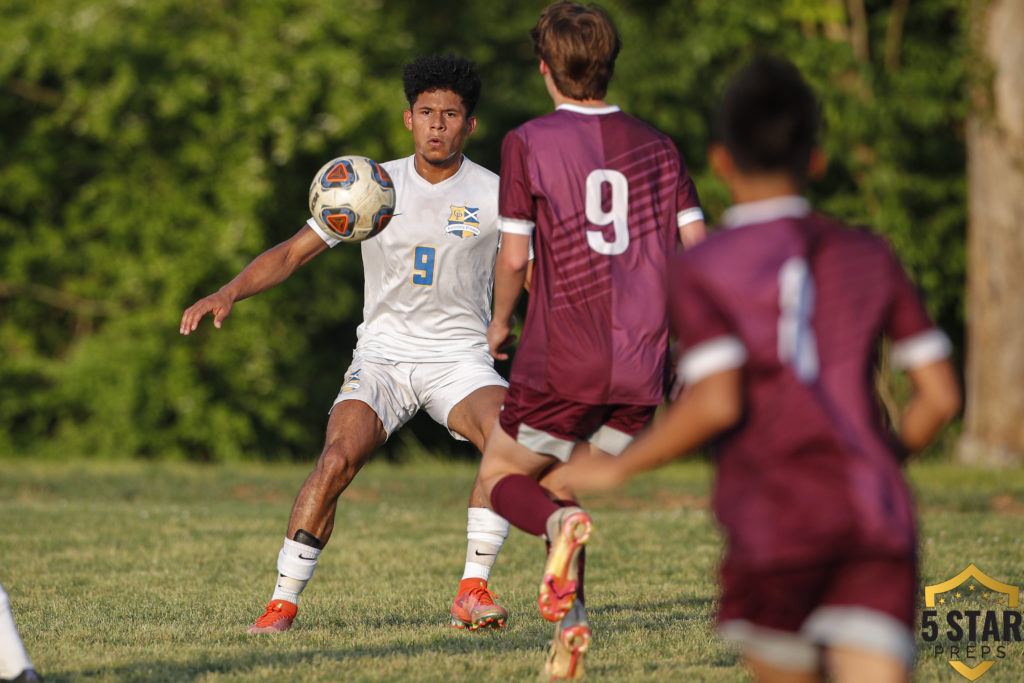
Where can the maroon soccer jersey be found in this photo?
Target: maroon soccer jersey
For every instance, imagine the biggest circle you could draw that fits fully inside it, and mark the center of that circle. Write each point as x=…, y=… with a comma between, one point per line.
x=603, y=195
x=801, y=303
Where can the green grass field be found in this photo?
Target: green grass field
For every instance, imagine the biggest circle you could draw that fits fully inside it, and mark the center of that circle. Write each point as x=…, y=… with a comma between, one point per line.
x=151, y=572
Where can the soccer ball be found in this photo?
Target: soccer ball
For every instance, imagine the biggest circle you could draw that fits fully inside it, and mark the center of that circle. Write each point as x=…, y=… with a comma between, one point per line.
x=352, y=198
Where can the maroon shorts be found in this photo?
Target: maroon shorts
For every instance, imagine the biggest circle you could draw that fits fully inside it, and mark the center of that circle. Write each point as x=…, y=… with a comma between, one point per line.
x=860, y=602
x=551, y=425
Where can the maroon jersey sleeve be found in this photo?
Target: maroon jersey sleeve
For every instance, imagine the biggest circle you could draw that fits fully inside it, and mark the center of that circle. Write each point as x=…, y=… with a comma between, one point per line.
x=916, y=341
x=709, y=343
x=687, y=202
x=907, y=316
x=515, y=200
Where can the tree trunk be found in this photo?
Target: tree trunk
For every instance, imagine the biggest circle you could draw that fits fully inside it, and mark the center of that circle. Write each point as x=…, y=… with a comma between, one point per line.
x=859, y=30
x=994, y=416
x=894, y=33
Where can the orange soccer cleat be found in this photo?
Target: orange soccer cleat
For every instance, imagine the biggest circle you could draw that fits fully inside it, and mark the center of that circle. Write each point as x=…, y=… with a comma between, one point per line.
x=565, y=659
x=278, y=617
x=568, y=530
x=475, y=608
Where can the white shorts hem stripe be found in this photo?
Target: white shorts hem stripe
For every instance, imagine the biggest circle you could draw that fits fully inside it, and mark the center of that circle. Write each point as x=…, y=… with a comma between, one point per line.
x=781, y=649
x=861, y=628
x=610, y=440
x=543, y=443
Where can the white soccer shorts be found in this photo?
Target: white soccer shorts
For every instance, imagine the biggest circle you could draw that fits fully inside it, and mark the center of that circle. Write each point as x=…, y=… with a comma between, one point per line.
x=397, y=391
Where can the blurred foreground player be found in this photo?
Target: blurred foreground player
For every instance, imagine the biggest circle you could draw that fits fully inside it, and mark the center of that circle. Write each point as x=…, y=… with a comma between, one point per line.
x=15, y=665
x=421, y=344
x=780, y=317
x=606, y=200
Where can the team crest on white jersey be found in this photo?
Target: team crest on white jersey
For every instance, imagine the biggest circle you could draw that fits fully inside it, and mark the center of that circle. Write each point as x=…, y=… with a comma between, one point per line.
x=463, y=221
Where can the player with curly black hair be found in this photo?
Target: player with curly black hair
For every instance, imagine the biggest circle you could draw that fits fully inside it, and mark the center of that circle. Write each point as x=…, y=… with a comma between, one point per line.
x=422, y=344
x=442, y=73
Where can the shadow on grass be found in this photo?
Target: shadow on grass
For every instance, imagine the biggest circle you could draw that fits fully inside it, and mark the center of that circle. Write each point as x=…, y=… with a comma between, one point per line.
x=654, y=617
x=270, y=656
x=273, y=661
x=653, y=614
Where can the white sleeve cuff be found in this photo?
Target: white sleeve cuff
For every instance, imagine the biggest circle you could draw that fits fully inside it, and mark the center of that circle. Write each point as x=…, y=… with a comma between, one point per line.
x=531, y=245
x=688, y=216
x=921, y=349
x=710, y=357
x=325, y=236
x=516, y=226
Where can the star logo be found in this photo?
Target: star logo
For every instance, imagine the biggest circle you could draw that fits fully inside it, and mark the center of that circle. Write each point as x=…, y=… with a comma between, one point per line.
x=977, y=626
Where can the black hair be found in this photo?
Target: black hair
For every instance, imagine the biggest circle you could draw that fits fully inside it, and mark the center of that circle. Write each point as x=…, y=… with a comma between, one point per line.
x=768, y=118
x=435, y=72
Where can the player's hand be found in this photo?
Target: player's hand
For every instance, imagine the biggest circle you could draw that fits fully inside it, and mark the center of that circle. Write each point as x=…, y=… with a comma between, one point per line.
x=500, y=337
x=596, y=475
x=218, y=303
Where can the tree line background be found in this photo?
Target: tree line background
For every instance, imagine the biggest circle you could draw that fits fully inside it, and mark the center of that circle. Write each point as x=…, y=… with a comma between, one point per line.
x=149, y=150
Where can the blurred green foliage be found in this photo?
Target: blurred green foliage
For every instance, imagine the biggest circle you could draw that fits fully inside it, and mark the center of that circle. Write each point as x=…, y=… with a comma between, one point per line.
x=149, y=150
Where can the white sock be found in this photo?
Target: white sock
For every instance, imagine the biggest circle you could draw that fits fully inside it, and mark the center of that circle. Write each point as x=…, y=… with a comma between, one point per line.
x=13, y=657
x=295, y=565
x=485, y=533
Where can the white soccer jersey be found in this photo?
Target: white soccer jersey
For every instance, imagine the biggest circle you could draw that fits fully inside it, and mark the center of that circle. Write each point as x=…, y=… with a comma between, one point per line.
x=429, y=275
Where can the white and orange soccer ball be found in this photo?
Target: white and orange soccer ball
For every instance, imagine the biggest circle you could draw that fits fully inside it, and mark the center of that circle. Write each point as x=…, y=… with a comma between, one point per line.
x=352, y=198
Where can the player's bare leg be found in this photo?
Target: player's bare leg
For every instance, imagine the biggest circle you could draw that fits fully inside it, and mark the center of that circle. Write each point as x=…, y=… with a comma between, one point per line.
x=558, y=481
x=474, y=416
x=769, y=673
x=504, y=457
x=523, y=483
x=847, y=665
x=509, y=471
x=474, y=605
x=354, y=432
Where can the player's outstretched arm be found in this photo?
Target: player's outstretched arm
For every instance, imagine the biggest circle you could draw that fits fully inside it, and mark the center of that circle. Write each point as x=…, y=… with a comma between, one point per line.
x=706, y=408
x=270, y=268
x=936, y=401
